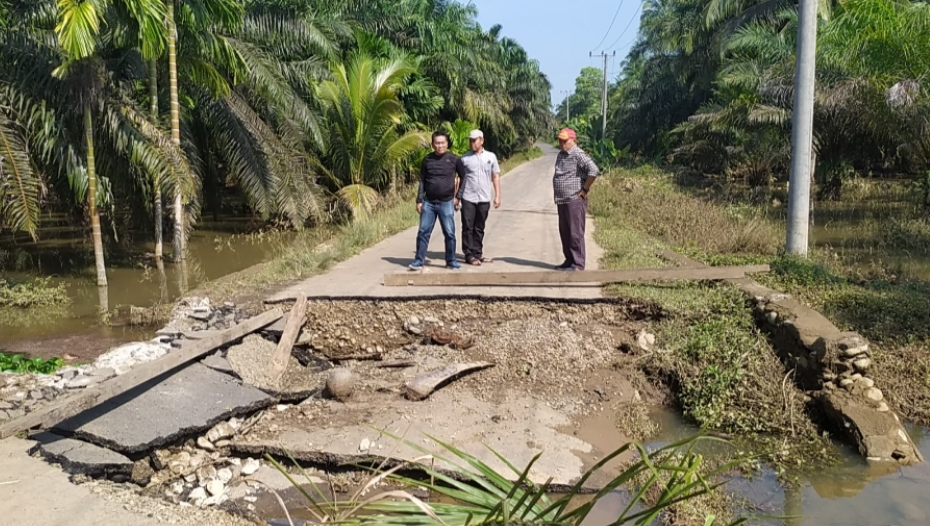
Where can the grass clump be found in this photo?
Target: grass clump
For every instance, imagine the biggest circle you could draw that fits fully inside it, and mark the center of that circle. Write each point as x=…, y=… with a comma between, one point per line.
x=17, y=363
x=39, y=292
x=724, y=373
x=850, y=280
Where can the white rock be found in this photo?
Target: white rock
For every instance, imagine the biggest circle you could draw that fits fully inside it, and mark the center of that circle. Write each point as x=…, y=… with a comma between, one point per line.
x=365, y=445
x=882, y=407
x=220, y=431
x=177, y=487
x=203, y=443
x=431, y=319
x=206, y=474
x=282, y=407
x=413, y=320
x=215, y=487
x=866, y=382
x=645, y=340
x=862, y=364
x=873, y=393
x=250, y=467
x=235, y=461
x=196, y=494
x=224, y=475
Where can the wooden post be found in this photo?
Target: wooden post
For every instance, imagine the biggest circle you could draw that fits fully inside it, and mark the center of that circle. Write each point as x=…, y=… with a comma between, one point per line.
x=282, y=353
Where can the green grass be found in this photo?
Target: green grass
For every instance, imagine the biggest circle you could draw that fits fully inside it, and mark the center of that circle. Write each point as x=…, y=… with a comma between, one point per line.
x=38, y=292
x=17, y=363
x=640, y=210
x=723, y=370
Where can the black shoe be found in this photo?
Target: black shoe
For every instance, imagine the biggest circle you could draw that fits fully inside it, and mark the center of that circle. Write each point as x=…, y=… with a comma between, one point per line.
x=564, y=265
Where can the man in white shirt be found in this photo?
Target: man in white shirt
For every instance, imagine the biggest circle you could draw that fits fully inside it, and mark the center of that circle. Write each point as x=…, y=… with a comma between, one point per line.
x=479, y=172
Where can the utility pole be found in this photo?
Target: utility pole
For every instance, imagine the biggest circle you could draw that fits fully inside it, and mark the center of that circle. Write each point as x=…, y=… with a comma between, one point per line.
x=604, y=94
x=802, y=131
x=568, y=103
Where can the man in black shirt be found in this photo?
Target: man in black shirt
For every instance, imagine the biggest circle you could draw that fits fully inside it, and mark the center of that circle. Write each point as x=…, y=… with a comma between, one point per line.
x=436, y=198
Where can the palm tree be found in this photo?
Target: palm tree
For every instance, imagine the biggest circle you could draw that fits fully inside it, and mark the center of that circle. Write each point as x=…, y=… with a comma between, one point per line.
x=78, y=30
x=364, y=113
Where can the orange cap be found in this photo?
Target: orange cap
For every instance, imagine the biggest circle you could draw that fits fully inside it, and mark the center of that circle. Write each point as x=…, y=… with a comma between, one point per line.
x=567, y=133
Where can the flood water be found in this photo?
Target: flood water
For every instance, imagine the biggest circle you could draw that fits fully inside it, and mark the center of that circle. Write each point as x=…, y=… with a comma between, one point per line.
x=215, y=250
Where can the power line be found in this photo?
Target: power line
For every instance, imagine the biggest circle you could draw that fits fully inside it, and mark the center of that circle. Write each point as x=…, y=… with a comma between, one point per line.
x=632, y=18
x=609, y=27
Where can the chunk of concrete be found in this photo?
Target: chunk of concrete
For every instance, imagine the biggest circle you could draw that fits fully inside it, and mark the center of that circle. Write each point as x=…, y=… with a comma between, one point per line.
x=218, y=362
x=164, y=409
x=80, y=458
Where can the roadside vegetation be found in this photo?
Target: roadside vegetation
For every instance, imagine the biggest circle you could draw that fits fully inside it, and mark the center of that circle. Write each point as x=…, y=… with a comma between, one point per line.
x=671, y=485
x=38, y=292
x=722, y=367
x=17, y=363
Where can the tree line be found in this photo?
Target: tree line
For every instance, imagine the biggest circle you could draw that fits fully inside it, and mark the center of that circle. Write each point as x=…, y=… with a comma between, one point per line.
x=144, y=113
x=708, y=84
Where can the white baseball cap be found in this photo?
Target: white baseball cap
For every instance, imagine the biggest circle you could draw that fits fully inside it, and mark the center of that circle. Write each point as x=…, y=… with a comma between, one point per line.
x=475, y=134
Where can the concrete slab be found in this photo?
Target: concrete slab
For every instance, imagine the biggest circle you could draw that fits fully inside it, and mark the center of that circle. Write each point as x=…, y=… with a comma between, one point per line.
x=218, y=362
x=518, y=428
x=167, y=408
x=80, y=458
x=522, y=235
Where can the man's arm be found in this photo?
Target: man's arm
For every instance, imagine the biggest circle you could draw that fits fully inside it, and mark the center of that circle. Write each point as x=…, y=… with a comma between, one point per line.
x=421, y=191
x=496, y=181
x=591, y=173
x=459, y=179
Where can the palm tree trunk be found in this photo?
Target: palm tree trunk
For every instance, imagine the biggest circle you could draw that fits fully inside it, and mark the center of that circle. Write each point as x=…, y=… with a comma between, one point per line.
x=159, y=212
x=92, y=198
x=175, y=128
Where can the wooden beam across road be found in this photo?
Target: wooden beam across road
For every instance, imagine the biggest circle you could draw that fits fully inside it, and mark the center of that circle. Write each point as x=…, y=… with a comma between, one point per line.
x=556, y=277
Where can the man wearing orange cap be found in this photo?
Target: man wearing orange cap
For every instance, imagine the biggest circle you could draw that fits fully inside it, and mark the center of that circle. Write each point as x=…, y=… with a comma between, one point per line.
x=575, y=172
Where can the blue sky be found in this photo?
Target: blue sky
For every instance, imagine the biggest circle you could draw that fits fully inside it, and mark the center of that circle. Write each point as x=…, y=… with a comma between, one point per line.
x=560, y=34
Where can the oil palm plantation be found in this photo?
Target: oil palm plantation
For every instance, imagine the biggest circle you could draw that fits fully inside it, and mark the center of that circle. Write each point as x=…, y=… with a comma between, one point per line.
x=364, y=113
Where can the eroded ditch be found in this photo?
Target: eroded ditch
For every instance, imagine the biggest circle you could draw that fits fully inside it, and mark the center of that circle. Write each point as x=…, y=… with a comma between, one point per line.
x=562, y=375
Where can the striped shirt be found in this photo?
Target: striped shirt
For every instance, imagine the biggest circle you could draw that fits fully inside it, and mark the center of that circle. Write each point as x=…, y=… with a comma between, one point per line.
x=572, y=169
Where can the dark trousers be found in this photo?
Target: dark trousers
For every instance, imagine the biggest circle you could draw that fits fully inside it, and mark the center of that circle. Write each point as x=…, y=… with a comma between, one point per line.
x=571, y=230
x=474, y=215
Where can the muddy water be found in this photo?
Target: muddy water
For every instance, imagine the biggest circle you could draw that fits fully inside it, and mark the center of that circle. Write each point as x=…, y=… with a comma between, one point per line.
x=852, y=493
x=850, y=229
x=215, y=250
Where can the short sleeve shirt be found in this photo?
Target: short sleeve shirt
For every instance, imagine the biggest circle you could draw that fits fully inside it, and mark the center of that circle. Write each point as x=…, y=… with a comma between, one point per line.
x=476, y=174
x=572, y=169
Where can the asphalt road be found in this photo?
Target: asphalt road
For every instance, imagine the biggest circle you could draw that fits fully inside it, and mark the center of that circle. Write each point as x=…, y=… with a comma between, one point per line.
x=522, y=235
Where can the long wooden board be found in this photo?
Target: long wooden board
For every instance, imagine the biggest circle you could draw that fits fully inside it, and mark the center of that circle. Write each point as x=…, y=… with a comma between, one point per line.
x=282, y=354
x=556, y=277
x=138, y=375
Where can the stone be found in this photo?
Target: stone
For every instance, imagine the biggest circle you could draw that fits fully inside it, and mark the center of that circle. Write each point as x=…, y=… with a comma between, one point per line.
x=176, y=487
x=415, y=331
x=771, y=316
x=142, y=472
x=250, y=466
x=866, y=382
x=220, y=431
x=364, y=446
x=160, y=459
x=882, y=407
x=81, y=382
x=67, y=374
x=197, y=493
x=222, y=443
x=4, y=415
x=215, y=487
x=80, y=458
x=6, y=405
x=205, y=474
x=224, y=475
x=36, y=394
x=179, y=462
x=413, y=320
x=341, y=383
x=430, y=319
x=135, y=352
x=203, y=443
x=875, y=394
x=846, y=382
x=862, y=364
x=851, y=352
x=167, y=408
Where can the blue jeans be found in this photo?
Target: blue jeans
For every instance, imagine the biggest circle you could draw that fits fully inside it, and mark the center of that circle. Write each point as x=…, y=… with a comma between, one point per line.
x=445, y=210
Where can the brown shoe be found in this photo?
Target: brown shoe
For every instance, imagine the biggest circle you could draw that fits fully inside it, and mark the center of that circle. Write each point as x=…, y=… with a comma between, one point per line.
x=474, y=261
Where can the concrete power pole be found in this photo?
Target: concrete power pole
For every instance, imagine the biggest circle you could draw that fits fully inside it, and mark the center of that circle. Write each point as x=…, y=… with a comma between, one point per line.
x=604, y=94
x=568, y=103
x=802, y=131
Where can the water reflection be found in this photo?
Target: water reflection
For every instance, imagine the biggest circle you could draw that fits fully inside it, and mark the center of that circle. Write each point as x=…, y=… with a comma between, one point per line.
x=853, y=493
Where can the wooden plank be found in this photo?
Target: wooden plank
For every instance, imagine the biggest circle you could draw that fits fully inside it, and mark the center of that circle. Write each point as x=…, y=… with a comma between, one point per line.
x=138, y=375
x=557, y=277
x=423, y=385
x=282, y=353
